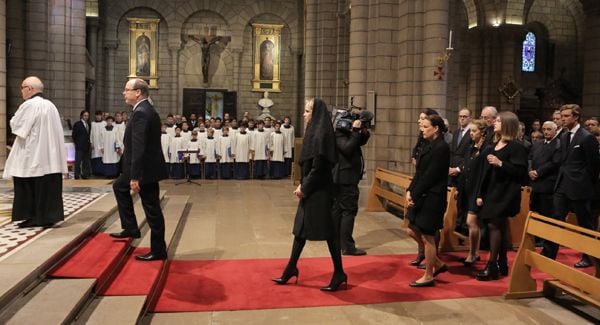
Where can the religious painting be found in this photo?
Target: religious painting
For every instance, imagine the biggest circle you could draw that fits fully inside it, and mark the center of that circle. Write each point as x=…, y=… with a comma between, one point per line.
x=143, y=50
x=214, y=104
x=267, y=44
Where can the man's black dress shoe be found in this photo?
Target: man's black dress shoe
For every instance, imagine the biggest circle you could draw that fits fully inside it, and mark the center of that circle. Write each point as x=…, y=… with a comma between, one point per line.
x=126, y=234
x=151, y=257
x=416, y=284
x=583, y=263
x=354, y=252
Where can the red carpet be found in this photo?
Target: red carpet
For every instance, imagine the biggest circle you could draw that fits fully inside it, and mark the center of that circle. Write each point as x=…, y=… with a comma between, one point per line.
x=94, y=259
x=135, y=278
x=246, y=284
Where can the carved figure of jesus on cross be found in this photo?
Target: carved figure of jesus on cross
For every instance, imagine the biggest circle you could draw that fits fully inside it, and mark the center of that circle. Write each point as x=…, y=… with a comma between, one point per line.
x=206, y=41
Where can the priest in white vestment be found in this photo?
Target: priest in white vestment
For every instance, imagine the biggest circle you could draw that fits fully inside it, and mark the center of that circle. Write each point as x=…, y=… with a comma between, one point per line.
x=37, y=159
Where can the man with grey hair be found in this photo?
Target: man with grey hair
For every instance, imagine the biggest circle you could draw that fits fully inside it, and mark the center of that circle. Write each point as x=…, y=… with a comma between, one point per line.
x=143, y=166
x=545, y=161
x=488, y=115
x=37, y=159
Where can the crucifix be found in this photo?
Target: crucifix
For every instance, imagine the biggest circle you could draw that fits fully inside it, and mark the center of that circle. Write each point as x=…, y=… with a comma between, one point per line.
x=206, y=41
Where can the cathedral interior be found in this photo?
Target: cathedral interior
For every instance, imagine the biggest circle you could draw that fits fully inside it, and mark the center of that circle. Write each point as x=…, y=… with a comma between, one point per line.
x=393, y=58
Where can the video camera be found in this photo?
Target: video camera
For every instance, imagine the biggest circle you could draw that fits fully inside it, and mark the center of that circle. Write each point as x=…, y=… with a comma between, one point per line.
x=345, y=117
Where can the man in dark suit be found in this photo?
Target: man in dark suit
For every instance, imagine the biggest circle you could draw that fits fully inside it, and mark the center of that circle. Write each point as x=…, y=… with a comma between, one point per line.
x=81, y=139
x=574, y=189
x=143, y=167
x=488, y=115
x=461, y=143
x=347, y=173
x=545, y=161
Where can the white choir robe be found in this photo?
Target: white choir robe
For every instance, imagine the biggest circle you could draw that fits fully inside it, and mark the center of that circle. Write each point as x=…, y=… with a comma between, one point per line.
x=268, y=131
x=110, y=158
x=210, y=160
x=194, y=161
x=186, y=135
x=177, y=144
x=240, y=147
x=259, y=143
x=121, y=129
x=39, y=147
x=233, y=132
x=217, y=133
x=165, y=143
x=277, y=148
x=96, y=138
x=224, y=149
x=171, y=131
x=288, y=135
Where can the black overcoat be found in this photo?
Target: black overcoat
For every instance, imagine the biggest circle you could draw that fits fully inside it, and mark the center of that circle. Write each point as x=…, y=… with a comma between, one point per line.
x=314, y=220
x=429, y=186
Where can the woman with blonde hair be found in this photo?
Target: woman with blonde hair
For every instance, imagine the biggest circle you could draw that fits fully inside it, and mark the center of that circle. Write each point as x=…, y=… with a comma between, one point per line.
x=499, y=196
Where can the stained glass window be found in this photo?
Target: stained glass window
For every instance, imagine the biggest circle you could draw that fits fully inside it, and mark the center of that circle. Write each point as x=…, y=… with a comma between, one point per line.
x=529, y=53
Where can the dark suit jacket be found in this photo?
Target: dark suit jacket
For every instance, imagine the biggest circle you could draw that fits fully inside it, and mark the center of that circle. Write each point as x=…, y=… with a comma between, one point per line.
x=143, y=159
x=349, y=167
x=459, y=150
x=81, y=136
x=580, y=164
x=545, y=160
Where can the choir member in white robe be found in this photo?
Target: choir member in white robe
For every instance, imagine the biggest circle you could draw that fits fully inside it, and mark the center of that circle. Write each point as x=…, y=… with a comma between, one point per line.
x=165, y=143
x=210, y=157
x=178, y=144
x=240, y=146
x=186, y=133
x=288, y=134
x=119, y=125
x=111, y=147
x=225, y=155
x=95, y=138
x=268, y=127
x=259, y=146
x=218, y=129
x=234, y=129
x=37, y=159
x=193, y=158
x=277, y=149
x=201, y=134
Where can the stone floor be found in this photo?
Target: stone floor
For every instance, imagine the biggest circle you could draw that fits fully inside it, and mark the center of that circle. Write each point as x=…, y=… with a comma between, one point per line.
x=253, y=219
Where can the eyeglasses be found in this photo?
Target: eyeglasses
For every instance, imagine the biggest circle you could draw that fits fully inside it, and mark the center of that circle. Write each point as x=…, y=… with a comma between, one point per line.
x=131, y=89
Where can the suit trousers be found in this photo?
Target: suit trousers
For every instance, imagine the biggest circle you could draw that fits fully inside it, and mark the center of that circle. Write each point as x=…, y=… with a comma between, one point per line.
x=83, y=165
x=149, y=194
x=562, y=206
x=345, y=208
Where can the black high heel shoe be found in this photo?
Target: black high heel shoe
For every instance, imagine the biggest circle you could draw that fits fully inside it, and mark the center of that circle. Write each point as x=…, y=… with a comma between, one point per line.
x=503, y=268
x=489, y=273
x=287, y=275
x=336, y=282
x=417, y=261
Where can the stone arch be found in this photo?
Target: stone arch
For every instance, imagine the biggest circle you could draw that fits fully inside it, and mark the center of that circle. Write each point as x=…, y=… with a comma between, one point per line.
x=471, y=8
x=116, y=10
x=515, y=12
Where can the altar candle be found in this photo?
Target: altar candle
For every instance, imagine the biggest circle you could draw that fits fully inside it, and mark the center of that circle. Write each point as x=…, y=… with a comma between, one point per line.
x=450, y=40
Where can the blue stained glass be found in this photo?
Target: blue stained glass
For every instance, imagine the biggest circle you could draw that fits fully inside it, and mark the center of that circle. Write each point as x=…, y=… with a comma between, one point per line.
x=529, y=53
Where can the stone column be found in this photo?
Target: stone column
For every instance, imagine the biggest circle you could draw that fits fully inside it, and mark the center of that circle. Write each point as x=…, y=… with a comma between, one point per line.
x=357, y=62
x=310, y=48
x=92, y=45
x=591, y=71
x=36, y=38
x=15, y=31
x=236, y=54
x=435, y=41
x=110, y=87
x=3, y=121
x=175, y=91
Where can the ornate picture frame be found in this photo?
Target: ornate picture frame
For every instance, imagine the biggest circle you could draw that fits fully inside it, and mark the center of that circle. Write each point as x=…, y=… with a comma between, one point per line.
x=266, y=57
x=143, y=49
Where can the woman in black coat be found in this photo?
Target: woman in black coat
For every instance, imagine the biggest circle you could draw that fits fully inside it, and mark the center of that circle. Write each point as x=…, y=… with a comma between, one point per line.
x=468, y=185
x=314, y=218
x=416, y=151
x=504, y=170
x=427, y=196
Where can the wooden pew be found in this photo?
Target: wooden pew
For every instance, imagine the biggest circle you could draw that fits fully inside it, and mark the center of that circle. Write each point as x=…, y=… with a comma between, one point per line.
x=566, y=278
x=379, y=193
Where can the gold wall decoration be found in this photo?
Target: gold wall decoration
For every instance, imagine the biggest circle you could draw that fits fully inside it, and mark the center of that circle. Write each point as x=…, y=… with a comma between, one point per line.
x=143, y=50
x=267, y=45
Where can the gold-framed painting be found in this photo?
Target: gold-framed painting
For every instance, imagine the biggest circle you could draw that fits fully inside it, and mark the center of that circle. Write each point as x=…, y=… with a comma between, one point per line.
x=267, y=44
x=143, y=50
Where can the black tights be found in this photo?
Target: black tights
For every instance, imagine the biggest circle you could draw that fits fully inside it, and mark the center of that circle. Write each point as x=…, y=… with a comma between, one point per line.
x=497, y=229
x=334, y=251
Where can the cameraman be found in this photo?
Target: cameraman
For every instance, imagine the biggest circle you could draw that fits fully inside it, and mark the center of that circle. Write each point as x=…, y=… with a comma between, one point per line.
x=347, y=173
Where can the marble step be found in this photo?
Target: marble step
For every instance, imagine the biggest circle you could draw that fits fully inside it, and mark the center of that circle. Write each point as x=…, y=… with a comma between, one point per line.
x=56, y=302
